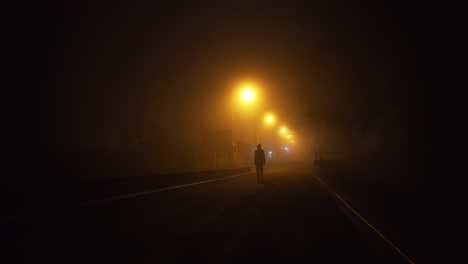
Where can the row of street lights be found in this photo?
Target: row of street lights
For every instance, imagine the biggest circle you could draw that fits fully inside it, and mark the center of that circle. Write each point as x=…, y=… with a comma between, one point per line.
x=247, y=94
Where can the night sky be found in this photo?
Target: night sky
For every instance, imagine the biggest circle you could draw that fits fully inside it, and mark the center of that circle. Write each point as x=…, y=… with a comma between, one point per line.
x=78, y=66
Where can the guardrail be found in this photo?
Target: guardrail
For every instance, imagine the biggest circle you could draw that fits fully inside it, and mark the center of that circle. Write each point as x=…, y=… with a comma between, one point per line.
x=330, y=157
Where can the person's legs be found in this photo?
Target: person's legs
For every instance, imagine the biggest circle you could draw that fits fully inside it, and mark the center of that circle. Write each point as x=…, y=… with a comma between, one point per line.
x=258, y=172
x=261, y=172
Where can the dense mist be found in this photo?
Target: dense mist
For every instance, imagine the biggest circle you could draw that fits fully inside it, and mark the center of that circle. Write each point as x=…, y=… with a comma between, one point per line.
x=143, y=84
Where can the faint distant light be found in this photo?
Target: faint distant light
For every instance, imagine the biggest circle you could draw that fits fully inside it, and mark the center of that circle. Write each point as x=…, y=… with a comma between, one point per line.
x=286, y=148
x=270, y=153
x=283, y=130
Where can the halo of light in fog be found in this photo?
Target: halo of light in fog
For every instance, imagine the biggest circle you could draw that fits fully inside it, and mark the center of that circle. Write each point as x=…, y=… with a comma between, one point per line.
x=248, y=94
x=270, y=119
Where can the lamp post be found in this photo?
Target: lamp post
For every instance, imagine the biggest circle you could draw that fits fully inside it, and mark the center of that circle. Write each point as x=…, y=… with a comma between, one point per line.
x=233, y=145
x=246, y=95
x=268, y=120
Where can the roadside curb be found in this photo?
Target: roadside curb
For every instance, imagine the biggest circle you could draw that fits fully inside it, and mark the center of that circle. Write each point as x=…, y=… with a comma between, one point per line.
x=369, y=229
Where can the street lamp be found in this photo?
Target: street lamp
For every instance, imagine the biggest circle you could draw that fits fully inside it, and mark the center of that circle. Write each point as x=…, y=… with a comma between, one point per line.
x=270, y=119
x=283, y=130
x=246, y=94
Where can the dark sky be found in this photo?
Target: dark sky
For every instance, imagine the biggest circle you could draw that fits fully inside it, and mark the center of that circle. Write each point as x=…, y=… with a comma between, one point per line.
x=76, y=64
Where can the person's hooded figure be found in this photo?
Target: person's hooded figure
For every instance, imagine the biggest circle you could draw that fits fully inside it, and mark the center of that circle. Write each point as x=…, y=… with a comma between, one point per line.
x=259, y=162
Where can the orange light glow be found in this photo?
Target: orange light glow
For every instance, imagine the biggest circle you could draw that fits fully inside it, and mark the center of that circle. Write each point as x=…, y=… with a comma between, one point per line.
x=247, y=95
x=270, y=119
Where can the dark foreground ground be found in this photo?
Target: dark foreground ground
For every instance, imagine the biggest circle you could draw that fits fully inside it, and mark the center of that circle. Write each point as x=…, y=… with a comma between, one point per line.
x=288, y=218
x=417, y=210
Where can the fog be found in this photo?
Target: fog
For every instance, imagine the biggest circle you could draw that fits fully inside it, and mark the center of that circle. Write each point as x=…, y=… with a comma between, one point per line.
x=150, y=86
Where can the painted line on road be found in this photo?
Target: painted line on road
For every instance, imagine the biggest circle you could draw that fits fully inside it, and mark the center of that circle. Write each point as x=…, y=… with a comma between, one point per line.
x=113, y=198
x=364, y=220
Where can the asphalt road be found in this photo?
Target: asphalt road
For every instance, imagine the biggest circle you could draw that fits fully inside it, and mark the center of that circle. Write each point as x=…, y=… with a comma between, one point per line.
x=288, y=218
x=408, y=219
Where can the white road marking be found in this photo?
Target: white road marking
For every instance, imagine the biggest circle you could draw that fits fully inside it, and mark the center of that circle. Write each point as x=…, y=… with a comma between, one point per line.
x=364, y=220
x=113, y=198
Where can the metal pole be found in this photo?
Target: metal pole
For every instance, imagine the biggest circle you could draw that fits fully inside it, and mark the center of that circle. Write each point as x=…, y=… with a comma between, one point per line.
x=255, y=130
x=232, y=135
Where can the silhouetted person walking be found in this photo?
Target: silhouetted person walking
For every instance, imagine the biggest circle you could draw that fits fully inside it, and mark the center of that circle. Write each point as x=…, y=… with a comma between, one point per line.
x=259, y=162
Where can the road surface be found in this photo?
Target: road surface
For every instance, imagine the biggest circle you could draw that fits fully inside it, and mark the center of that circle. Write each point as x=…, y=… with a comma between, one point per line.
x=290, y=218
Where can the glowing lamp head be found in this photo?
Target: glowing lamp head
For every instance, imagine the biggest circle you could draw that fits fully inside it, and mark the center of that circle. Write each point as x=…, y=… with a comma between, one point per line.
x=269, y=119
x=247, y=95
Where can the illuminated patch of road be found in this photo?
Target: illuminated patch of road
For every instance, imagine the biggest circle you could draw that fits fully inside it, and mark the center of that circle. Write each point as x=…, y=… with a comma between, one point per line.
x=113, y=198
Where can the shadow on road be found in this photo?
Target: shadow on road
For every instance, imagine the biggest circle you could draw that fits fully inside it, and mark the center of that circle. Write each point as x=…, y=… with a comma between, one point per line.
x=268, y=183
